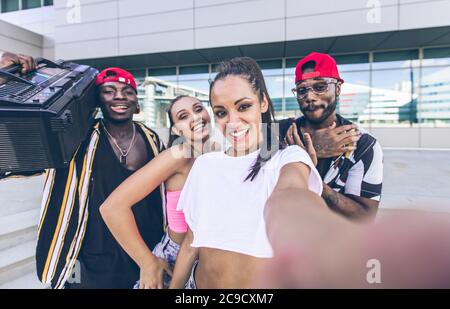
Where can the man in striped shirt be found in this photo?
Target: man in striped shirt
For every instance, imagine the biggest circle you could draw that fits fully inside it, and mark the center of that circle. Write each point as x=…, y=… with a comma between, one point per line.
x=72, y=233
x=349, y=159
x=75, y=248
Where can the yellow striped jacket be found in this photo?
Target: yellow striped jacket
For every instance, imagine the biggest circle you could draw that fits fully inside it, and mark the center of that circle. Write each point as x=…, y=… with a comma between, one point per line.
x=64, y=210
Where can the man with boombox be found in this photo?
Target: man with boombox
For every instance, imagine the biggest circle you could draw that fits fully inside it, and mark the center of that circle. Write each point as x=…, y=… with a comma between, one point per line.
x=75, y=249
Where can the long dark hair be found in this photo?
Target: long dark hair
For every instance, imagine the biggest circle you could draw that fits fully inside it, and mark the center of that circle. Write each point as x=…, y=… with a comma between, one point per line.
x=249, y=69
x=172, y=136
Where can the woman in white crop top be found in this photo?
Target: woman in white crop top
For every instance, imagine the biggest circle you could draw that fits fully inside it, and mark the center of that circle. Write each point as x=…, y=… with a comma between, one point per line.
x=189, y=124
x=225, y=194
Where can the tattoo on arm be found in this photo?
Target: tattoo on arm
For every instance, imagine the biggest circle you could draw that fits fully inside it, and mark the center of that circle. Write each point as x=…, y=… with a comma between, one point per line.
x=347, y=206
x=332, y=199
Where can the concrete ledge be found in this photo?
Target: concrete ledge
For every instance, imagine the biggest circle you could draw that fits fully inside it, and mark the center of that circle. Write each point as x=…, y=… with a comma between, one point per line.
x=20, y=40
x=17, y=261
x=19, y=221
x=28, y=281
x=412, y=137
x=21, y=194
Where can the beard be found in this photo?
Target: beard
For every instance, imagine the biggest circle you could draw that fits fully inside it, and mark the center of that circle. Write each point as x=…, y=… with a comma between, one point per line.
x=329, y=110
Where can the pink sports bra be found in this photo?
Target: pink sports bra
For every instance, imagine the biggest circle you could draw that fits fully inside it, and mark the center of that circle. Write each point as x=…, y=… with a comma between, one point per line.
x=175, y=218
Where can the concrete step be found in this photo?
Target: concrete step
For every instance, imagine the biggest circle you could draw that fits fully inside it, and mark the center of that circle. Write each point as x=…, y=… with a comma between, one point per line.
x=28, y=281
x=17, y=261
x=19, y=195
x=20, y=201
x=18, y=228
x=20, y=237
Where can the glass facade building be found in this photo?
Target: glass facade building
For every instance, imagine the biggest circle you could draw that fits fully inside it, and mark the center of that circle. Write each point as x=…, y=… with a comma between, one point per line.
x=408, y=88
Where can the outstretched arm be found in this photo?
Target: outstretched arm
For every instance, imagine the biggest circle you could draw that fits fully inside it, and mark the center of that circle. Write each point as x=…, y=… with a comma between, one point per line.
x=314, y=248
x=118, y=216
x=300, y=224
x=290, y=204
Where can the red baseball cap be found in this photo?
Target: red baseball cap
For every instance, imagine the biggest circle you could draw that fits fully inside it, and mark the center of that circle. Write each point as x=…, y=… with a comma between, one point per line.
x=116, y=75
x=324, y=66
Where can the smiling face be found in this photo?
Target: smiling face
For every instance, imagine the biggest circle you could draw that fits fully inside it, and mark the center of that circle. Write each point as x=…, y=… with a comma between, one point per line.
x=237, y=110
x=318, y=106
x=191, y=119
x=119, y=101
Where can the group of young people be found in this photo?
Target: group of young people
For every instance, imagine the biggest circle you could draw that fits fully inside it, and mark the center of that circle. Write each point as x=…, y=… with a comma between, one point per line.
x=129, y=212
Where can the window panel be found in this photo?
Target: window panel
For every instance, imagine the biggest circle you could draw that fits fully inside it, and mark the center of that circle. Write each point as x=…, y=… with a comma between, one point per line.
x=10, y=5
x=30, y=4
x=431, y=53
x=392, y=93
x=355, y=96
x=393, y=100
x=434, y=99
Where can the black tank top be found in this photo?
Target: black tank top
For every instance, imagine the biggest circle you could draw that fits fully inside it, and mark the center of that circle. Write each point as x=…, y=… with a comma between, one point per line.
x=104, y=264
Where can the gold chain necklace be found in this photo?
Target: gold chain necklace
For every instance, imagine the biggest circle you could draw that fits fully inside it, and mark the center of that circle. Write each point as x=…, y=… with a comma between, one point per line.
x=123, y=154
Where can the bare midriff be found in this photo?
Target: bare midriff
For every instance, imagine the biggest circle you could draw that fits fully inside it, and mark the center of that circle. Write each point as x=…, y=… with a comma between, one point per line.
x=176, y=237
x=221, y=269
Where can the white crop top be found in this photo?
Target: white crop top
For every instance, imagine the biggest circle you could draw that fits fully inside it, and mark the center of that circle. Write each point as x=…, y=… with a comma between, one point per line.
x=223, y=211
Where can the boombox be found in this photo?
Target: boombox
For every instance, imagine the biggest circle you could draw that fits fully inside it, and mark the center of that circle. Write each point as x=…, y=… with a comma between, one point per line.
x=44, y=115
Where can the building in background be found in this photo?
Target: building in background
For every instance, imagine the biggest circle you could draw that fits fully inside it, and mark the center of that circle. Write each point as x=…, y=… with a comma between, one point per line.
x=394, y=55
x=155, y=96
x=33, y=17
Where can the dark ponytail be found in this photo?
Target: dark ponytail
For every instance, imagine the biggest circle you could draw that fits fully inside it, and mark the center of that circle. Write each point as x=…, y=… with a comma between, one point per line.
x=173, y=137
x=249, y=69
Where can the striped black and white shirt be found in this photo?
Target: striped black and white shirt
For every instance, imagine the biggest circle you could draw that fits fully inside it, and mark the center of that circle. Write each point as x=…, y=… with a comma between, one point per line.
x=361, y=174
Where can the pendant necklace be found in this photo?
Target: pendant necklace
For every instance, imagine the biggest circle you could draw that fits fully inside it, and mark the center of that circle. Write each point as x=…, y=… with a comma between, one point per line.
x=123, y=154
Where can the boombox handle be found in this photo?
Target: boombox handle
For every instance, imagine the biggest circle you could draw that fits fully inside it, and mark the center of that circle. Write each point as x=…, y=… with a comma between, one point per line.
x=11, y=71
x=11, y=76
x=48, y=63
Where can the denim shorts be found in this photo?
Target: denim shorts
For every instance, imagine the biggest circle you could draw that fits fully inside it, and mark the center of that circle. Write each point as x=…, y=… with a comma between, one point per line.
x=190, y=284
x=167, y=250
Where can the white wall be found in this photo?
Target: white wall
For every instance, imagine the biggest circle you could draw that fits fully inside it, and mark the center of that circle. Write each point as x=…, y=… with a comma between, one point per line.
x=413, y=137
x=38, y=20
x=125, y=27
x=19, y=40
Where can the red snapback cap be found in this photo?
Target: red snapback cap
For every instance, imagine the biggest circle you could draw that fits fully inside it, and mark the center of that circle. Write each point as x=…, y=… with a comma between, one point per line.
x=116, y=75
x=324, y=66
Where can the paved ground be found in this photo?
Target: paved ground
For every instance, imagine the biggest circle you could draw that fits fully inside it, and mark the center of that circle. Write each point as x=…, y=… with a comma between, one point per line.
x=416, y=179
x=413, y=179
